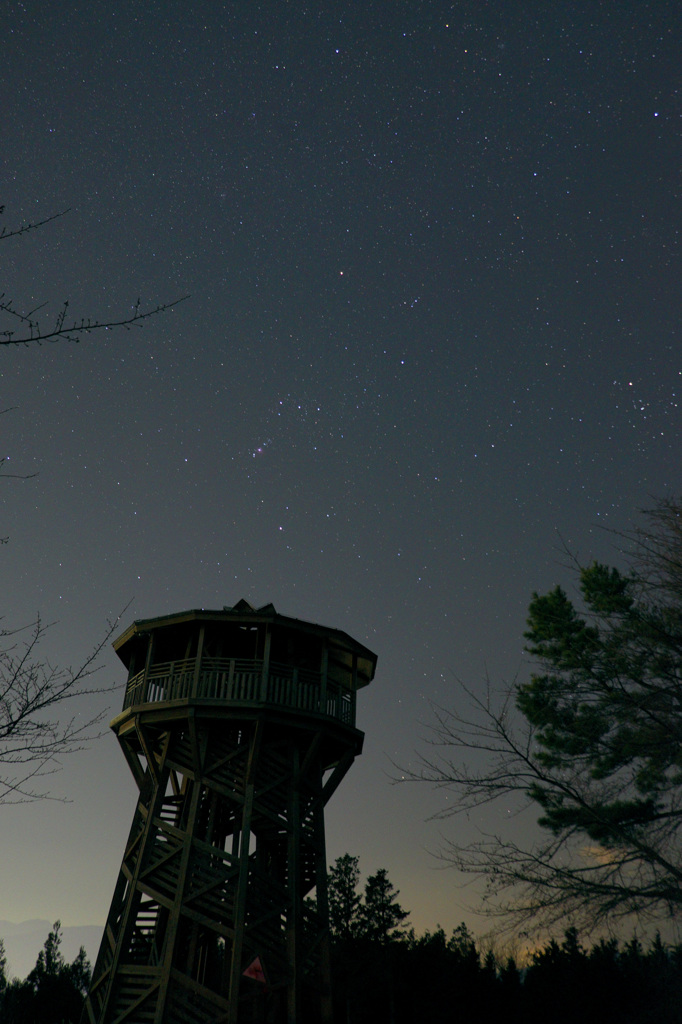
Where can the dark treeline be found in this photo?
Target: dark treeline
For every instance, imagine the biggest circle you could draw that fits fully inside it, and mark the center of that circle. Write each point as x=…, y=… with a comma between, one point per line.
x=384, y=974
x=410, y=979
x=53, y=991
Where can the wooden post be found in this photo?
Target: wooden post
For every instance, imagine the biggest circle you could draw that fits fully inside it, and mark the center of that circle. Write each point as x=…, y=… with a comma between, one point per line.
x=242, y=883
x=321, y=895
x=197, y=667
x=174, y=917
x=147, y=666
x=324, y=669
x=127, y=920
x=266, y=666
x=294, y=883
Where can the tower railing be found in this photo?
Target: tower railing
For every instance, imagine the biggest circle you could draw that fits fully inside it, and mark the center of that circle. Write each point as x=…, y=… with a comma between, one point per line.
x=241, y=681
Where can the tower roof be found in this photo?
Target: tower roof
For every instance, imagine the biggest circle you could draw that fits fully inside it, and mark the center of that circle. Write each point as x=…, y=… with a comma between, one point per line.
x=342, y=644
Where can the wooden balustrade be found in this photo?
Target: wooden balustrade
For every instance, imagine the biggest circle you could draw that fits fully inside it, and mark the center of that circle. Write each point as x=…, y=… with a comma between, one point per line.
x=240, y=681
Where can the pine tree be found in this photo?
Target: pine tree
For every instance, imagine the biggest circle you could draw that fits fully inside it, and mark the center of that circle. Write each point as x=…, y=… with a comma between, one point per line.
x=597, y=747
x=3, y=970
x=344, y=898
x=381, y=914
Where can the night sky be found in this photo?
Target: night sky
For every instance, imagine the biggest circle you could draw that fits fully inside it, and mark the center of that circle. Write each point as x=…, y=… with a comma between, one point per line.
x=433, y=254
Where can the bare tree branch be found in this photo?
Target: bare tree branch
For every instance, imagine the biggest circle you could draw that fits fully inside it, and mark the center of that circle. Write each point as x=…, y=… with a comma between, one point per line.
x=593, y=742
x=34, y=735
x=63, y=327
x=23, y=229
x=72, y=330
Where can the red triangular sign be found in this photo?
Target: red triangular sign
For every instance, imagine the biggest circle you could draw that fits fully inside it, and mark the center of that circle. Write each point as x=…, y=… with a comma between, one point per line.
x=255, y=971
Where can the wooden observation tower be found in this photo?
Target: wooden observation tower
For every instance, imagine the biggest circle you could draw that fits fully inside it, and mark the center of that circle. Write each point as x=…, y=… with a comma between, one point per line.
x=238, y=725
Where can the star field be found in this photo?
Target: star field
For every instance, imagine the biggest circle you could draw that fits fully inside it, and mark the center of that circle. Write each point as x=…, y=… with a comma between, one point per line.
x=433, y=253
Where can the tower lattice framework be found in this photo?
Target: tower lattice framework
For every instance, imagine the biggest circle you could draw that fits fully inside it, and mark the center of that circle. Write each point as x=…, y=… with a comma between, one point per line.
x=238, y=726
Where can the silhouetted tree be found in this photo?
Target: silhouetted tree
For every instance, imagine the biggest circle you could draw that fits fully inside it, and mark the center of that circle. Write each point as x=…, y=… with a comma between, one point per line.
x=364, y=931
x=34, y=732
x=54, y=990
x=402, y=978
x=599, y=749
x=380, y=914
x=3, y=970
x=509, y=994
x=344, y=899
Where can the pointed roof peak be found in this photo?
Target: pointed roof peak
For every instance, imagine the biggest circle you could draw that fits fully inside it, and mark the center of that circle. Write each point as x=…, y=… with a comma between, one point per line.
x=245, y=606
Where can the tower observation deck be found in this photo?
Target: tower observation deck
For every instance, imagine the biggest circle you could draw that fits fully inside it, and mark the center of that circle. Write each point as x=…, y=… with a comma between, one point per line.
x=237, y=725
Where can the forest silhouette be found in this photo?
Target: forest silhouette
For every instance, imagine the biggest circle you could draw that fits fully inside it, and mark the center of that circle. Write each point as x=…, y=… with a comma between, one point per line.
x=384, y=973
